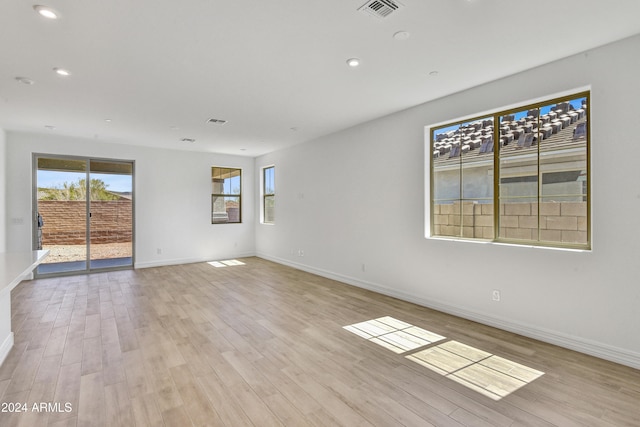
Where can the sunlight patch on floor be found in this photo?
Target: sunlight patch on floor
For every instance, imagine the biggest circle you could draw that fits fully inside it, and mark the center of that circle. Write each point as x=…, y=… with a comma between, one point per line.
x=483, y=372
x=394, y=334
x=490, y=375
x=225, y=263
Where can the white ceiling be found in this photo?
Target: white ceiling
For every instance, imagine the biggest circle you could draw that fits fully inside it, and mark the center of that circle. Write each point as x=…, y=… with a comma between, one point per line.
x=275, y=70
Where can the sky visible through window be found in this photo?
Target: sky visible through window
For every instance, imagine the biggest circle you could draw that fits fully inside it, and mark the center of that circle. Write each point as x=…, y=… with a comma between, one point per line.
x=54, y=179
x=269, y=180
x=576, y=103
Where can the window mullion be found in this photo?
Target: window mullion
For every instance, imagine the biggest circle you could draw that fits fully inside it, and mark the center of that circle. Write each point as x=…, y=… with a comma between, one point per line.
x=496, y=176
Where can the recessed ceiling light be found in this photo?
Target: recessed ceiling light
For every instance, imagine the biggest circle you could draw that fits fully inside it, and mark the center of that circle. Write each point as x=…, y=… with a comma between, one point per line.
x=62, y=71
x=174, y=127
x=108, y=120
x=45, y=11
x=353, y=62
x=243, y=149
x=25, y=80
x=401, y=35
x=49, y=127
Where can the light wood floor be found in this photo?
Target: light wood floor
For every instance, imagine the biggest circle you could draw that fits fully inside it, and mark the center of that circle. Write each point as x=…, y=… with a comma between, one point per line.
x=264, y=345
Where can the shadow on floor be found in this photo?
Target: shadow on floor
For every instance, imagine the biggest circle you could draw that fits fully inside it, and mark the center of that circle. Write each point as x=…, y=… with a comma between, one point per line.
x=69, y=266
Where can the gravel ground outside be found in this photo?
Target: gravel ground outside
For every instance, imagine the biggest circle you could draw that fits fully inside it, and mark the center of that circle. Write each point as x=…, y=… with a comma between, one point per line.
x=64, y=253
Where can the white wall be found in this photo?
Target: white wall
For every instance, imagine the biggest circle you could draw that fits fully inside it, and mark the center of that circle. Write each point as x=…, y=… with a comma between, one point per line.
x=3, y=208
x=172, y=198
x=354, y=203
x=6, y=337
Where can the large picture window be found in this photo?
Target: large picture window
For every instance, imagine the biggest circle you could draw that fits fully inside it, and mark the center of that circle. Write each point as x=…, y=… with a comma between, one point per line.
x=268, y=195
x=226, y=195
x=519, y=176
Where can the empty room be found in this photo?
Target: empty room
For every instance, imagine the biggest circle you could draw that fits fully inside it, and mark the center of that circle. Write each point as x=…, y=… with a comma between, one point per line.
x=349, y=213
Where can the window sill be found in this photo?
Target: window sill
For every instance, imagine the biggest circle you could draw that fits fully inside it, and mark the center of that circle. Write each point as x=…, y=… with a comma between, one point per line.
x=511, y=244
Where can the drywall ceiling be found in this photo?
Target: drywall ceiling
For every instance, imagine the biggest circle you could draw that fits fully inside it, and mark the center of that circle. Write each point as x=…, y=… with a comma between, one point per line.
x=152, y=72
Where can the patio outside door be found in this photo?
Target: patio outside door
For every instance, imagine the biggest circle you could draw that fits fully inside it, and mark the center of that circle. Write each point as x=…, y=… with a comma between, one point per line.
x=83, y=214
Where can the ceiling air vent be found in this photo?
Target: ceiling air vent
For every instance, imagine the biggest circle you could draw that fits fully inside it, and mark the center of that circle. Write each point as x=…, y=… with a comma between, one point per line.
x=380, y=8
x=217, y=121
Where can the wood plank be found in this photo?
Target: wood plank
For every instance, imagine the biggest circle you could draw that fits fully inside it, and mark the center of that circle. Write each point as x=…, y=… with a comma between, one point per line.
x=72, y=352
x=228, y=408
x=24, y=374
x=145, y=411
x=176, y=417
x=195, y=399
x=118, y=411
x=264, y=344
x=56, y=342
x=91, y=407
x=137, y=381
x=68, y=390
x=91, y=355
x=92, y=326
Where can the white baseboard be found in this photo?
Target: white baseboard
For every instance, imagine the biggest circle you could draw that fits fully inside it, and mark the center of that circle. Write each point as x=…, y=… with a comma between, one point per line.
x=582, y=345
x=177, y=261
x=6, y=347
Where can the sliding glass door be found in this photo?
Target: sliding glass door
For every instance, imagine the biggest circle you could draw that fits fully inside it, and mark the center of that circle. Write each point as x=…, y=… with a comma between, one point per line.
x=61, y=214
x=83, y=214
x=110, y=214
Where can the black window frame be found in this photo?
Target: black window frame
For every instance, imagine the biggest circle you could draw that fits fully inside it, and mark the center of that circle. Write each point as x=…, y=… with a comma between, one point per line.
x=543, y=177
x=218, y=176
x=268, y=193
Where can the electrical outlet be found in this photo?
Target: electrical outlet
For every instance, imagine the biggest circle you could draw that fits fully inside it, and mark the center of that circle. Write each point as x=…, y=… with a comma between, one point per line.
x=159, y=251
x=495, y=295
x=300, y=252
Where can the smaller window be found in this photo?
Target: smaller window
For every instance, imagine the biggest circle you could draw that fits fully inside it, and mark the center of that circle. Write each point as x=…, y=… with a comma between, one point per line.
x=268, y=195
x=226, y=191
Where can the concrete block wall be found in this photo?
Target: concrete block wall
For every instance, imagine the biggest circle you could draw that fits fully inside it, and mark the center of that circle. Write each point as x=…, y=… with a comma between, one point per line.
x=564, y=222
x=65, y=221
